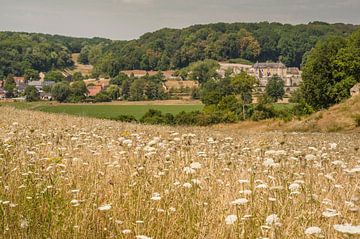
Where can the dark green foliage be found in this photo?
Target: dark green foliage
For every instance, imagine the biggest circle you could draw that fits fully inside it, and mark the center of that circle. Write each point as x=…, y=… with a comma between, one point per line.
x=119, y=79
x=113, y=91
x=10, y=86
x=330, y=70
x=212, y=91
x=78, y=90
x=173, y=48
x=31, y=75
x=302, y=108
x=275, y=88
x=102, y=97
x=55, y=76
x=60, y=91
x=22, y=51
x=125, y=118
x=202, y=71
x=31, y=94
x=77, y=76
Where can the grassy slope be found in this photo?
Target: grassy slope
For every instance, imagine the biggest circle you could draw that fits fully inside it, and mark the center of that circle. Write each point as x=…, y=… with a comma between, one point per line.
x=340, y=117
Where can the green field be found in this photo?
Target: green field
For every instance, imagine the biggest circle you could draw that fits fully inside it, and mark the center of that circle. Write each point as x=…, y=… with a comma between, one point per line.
x=104, y=111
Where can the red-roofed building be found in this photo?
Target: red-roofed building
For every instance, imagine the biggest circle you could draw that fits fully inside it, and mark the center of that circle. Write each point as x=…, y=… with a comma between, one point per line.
x=94, y=90
x=19, y=80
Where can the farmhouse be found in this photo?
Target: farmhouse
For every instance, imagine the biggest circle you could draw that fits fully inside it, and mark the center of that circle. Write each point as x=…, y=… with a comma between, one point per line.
x=94, y=90
x=355, y=90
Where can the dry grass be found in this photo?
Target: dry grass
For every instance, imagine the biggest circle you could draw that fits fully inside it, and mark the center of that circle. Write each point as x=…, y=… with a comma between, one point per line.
x=70, y=177
x=85, y=70
x=341, y=117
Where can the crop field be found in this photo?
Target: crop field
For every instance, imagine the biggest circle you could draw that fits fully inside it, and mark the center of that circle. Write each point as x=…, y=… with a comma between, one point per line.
x=105, y=111
x=73, y=177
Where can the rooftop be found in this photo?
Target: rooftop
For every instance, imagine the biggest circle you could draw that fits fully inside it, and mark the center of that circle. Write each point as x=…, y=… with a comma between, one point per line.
x=269, y=65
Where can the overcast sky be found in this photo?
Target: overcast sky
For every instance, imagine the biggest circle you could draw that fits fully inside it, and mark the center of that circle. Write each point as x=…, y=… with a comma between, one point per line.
x=128, y=19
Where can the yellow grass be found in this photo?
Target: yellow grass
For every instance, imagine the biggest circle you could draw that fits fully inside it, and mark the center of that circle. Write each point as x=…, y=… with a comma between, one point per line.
x=71, y=177
x=340, y=117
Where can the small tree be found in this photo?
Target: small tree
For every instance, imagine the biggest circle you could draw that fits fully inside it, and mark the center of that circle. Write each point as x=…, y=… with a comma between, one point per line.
x=31, y=94
x=31, y=75
x=113, y=91
x=61, y=91
x=54, y=76
x=275, y=88
x=77, y=76
x=243, y=85
x=10, y=86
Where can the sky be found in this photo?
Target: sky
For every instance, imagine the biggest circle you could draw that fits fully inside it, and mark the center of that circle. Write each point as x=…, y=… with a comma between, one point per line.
x=128, y=19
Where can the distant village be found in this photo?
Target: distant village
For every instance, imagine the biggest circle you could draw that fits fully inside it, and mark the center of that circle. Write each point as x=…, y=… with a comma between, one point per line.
x=263, y=71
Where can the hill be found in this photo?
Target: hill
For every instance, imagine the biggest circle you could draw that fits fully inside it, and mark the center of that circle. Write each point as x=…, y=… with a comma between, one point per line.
x=340, y=117
x=166, y=48
x=177, y=48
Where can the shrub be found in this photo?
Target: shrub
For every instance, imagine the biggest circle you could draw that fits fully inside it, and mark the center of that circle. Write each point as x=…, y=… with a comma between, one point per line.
x=102, y=97
x=357, y=120
x=125, y=118
x=302, y=109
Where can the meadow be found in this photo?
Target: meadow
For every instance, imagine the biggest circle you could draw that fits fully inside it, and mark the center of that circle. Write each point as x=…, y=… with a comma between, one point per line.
x=105, y=111
x=75, y=177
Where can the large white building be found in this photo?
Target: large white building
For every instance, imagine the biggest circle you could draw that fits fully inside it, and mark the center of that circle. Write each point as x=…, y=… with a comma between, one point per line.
x=263, y=71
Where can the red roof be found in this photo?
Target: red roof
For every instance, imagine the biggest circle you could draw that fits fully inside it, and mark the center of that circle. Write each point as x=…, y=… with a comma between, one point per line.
x=19, y=80
x=94, y=90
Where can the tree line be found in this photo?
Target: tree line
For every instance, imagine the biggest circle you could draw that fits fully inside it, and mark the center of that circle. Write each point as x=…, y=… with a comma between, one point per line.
x=178, y=48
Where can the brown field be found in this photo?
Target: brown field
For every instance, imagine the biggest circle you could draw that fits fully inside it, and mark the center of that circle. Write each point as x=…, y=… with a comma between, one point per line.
x=72, y=177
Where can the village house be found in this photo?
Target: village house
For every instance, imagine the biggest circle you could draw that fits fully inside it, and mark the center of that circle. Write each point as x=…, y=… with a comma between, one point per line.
x=21, y=83
x=93, y=90
x=95, y=86
x=355, y=90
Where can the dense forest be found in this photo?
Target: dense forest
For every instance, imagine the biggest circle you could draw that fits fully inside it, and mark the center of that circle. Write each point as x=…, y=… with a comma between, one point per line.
x=166, y=48
x=177, y=48
x=20, y=52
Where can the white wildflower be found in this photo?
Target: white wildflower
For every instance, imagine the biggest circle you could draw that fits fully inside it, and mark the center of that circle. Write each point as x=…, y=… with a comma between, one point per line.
x=312, y=230
x=330, y=213
x=240, y=201
x=195, y=165
x=347, y=228
x=273, y=219
x=104, y=207
x=156, y=197
x=231, y=219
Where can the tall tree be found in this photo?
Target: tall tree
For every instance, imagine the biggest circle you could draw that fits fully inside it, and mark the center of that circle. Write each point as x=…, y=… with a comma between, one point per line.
x=275, y=88
x=31, y=94
x=244, y=85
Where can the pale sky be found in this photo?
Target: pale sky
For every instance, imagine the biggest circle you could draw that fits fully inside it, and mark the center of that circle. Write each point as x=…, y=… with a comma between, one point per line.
x=128, y=19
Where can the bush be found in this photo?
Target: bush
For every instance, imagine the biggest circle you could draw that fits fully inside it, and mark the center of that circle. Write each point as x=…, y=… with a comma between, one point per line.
x=102, y=97
x=302, y=109
x=357, y=120
x=125, y=118
x=153, y=117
